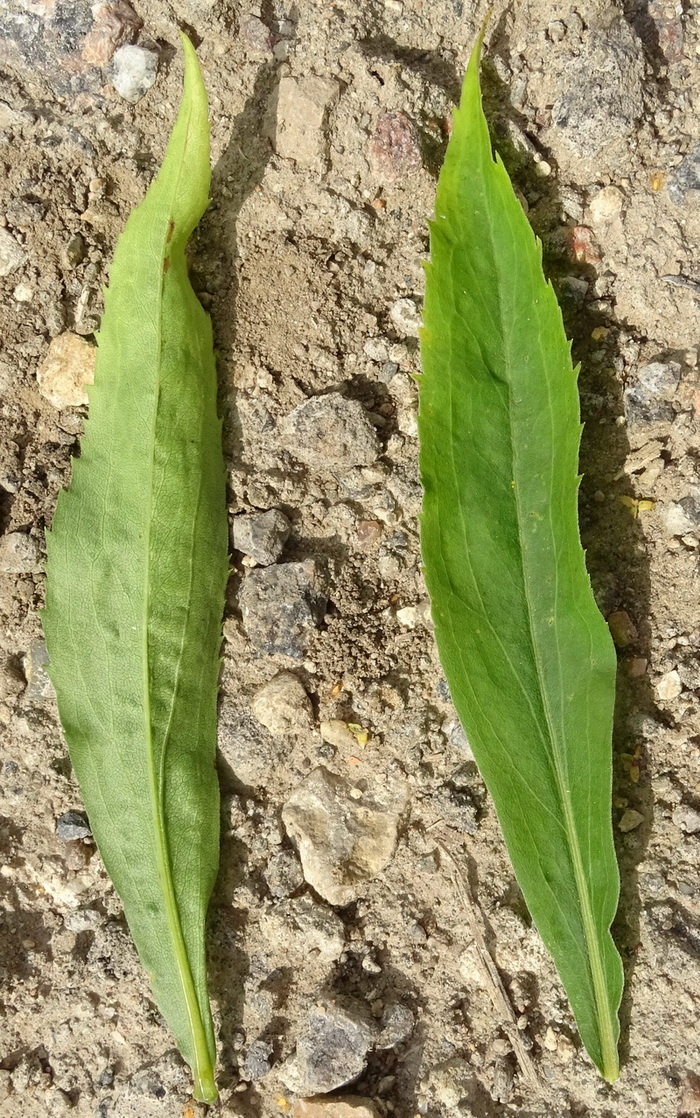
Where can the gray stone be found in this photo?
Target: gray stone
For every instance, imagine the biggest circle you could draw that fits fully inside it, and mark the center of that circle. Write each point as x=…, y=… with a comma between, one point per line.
x=283, y=874
x=398, y=1022
x=332, y=1048
x=261, y=535
x=345, y=835
x=301, y=926
x=133, y=71
x=406, y=318
x=39, y=686
x=648, y=400
x=281, y=606
x=73, y=825
x=300, y=115
x=19, y=554
x=12, y=255
x=684, y=181
x=687, y=818
x=257, y=1060
x=452, y=1082
x=282, y=706
x=330, y=432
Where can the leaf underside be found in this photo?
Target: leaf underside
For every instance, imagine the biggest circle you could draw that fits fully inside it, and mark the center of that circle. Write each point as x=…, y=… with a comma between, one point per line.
x=136, y=572
x=527, y=655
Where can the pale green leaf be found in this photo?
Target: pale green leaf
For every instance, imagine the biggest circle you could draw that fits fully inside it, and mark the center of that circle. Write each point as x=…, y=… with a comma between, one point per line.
x=527, y=655
x=137, y=565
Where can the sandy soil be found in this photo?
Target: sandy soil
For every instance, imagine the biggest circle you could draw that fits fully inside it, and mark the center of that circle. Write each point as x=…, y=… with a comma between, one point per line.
x=329, y=122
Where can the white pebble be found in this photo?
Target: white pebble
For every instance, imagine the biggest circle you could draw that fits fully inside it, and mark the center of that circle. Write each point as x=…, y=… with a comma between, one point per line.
x=134, y=70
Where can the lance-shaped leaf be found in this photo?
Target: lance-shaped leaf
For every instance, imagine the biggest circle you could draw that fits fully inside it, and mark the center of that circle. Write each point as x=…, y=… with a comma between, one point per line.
x=137, y=565
x=527, y=655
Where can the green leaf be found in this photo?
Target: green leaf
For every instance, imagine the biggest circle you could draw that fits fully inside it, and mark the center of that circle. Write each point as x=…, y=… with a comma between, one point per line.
x=137, y=566
x=526, y=653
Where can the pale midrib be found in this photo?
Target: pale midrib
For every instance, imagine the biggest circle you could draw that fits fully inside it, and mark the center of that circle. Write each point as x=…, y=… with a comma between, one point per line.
x=608, y=1046
x=202, y=1068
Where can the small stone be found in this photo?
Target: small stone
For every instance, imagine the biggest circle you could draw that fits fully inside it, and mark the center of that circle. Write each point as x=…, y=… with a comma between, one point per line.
x=255, y=34
x=73, y=825
x=23, y=293
x=583, y=245
x=407, y=617
x=74, y=252
x=622, y=628
x=332, y=1048
x=606, y=205
x=304, y=927
x=257, y=1061
x=669, y=686
x=67, y=368
x=283, y=874
x=12, y=255
x=283, y=706
x=676, y=520
x=398, y=1022
x=343, y=842
x=340, y=1106
x=338, y=733
x=630, y=820
x=684, y=181
x=406, y=317
x=11, y=682
x=637, y=667
x=133, y=71
x=19, y=554
x=452, y=1083
x=116, y=23
x=649, y=399
x=301, y=114
x=556, y=31
x=550, y=1040
x=281, y=605
x=39, y=686
x=369, y=533
x=330, y=432
x=394, y=148
x=687, y=818
x=261, y=535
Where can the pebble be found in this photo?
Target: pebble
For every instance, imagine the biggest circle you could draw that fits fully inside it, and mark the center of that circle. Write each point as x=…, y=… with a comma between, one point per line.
x=68, y=367
x=394, y=148
x=406, y=317
x=301, y=113
x=684, y=183
x=669, y=686
x=452, y=1082
x=12, y=255
x=606, y=205
x=133, y=71
x=282, y=705
x=255, y=34
x=39, y=686
x=283, y=874
x=677, y=520
x=622, y=628
x=343, y=841
x=397, y=1024
x=116, y=23
x=330, y=432
x=257, y=1060
x=687, y=818
x=331, y=1049
x=340, y=1106
x=302, y=926
x=338, y=733
x=19, y=554
x=649, y=399
x=281, y=605
x=11, y=683
x=73, y=825
x=74, y=252
x=630, y=820
x=261, y=535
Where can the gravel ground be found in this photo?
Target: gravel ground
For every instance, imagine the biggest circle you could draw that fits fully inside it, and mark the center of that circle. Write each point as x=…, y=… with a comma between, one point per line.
x=353, y=957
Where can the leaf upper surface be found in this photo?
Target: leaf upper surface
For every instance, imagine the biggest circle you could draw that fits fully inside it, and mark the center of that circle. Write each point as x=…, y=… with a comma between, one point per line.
x=136, y=572
x=527, y=655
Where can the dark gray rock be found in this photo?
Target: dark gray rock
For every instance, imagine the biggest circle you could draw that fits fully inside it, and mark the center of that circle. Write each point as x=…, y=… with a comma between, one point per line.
x=332, y=1048
x=398, y=1022
x=330, y=432
x=261, y=535
x=648, y=400
x=281, y=606
x=684, y=182
x=257, y=1059
x=73, y=825
x=283, y=874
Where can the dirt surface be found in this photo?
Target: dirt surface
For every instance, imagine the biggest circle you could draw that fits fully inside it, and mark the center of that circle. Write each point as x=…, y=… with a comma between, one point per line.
x=329, y=121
